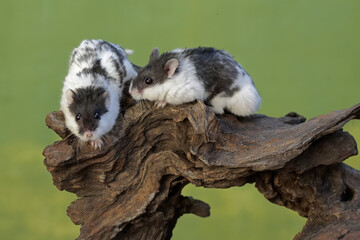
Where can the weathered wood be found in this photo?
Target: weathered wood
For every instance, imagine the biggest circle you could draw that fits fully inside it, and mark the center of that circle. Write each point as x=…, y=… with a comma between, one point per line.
x=131, y=188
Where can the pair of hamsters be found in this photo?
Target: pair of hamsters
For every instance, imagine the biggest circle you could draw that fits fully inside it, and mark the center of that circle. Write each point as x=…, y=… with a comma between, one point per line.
x=98, y=70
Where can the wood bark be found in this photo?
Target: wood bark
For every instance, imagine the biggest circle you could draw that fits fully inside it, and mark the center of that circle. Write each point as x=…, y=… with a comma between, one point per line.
x=131, y=188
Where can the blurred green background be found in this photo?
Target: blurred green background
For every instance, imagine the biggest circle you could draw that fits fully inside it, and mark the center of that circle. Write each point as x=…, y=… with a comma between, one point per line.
x=303, y=56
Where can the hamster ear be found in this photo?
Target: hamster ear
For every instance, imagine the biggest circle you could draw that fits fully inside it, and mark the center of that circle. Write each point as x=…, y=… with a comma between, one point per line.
x=70, y=94
x=106, y=97
x=154, y=54
x=129, y=52
x=171, y=66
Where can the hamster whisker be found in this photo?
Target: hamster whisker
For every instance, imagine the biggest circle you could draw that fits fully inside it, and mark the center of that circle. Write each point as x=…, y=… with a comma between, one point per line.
x=145, y=106
x=142, y=105
x=103, y=139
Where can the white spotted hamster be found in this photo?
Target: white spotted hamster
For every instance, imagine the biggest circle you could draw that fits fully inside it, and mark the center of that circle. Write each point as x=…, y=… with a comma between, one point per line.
x=93, y=87
x=203, y=73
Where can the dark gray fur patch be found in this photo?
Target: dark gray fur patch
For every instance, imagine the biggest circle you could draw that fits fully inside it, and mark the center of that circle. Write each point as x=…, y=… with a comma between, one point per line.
x=215, y=68
x=95, y=69
x=87, y=101
x=136, y=67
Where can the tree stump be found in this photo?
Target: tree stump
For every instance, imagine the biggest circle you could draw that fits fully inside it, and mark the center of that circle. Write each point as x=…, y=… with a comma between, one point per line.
x=131, y=188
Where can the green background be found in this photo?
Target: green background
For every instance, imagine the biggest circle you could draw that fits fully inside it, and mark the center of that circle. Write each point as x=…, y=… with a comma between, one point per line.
x=303, y=56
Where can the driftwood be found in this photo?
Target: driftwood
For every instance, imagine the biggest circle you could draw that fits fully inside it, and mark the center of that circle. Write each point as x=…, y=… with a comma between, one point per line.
x=131, y=188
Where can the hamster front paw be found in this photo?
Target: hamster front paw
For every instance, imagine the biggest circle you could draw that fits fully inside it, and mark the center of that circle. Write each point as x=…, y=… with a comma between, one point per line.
x=97, y=144
x=160, y=104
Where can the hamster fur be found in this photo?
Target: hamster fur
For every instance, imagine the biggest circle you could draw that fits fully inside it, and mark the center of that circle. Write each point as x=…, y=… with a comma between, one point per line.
x=93, y=88
x=207, y=74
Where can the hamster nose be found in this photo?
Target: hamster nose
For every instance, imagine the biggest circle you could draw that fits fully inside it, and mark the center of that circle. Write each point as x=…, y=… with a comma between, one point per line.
x=88, y=134
x=134, y=91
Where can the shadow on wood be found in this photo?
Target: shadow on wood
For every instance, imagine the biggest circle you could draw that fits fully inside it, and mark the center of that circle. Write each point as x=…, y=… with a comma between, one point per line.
x=131, y=188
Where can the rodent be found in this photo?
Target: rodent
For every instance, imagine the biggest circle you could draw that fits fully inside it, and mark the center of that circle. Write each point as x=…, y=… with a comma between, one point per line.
x=204, y=73
x=93, y=87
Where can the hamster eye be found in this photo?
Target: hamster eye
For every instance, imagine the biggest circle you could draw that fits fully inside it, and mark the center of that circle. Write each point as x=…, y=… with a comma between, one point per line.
x=78, y=117
x=96, y=115
x=148, y=80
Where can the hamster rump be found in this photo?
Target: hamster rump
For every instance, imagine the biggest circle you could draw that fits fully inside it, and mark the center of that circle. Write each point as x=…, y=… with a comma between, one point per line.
x=207, y=74
x=244, y=100
x=93, y=87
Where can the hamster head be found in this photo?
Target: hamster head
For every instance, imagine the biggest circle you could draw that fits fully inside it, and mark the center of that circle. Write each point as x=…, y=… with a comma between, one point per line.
x=159, y=70
x=87, y=106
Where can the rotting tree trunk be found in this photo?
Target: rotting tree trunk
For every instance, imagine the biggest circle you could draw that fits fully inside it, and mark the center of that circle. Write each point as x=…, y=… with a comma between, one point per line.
x=131, y=188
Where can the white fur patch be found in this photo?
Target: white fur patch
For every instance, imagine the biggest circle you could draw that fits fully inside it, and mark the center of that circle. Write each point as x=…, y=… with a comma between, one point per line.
x=180, y=88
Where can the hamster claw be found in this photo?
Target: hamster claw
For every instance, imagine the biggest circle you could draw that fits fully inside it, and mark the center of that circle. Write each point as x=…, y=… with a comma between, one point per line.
x=217, y=110
x=160, y=104
x=97, y=144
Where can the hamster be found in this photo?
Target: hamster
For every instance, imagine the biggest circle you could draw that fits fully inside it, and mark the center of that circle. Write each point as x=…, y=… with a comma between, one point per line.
x=207, y=74
x=93, y=87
